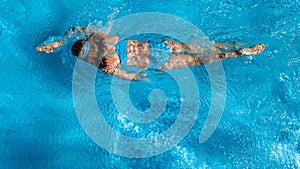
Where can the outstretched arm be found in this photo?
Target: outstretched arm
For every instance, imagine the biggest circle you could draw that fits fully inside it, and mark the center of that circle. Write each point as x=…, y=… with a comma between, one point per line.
x=50, y=47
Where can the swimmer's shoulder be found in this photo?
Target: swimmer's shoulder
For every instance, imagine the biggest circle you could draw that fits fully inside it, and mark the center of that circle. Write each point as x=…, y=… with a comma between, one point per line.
x=106, y=37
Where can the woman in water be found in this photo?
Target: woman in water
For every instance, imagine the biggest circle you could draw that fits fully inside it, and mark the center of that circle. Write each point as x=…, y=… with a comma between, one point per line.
x=105, y=52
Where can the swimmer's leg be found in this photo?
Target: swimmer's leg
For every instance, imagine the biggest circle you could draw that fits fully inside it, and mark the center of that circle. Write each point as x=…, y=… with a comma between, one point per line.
x=253, y=50
x=180, y=61
x=177, y=47
x=180, y=47
x=183, y=60
x=231, y=47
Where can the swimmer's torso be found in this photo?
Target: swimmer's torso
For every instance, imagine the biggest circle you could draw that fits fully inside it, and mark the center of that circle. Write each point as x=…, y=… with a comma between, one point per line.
x=105, y=46
x=107, y=53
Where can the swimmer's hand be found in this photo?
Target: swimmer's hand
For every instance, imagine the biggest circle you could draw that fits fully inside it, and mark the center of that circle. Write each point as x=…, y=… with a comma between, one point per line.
x=50, y=47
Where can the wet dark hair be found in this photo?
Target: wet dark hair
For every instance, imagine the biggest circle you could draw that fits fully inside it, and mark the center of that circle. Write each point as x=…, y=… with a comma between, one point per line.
x=77, y=48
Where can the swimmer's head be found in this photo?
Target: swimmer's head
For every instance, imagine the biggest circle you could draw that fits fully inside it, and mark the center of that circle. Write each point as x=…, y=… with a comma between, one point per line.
x=78, y=48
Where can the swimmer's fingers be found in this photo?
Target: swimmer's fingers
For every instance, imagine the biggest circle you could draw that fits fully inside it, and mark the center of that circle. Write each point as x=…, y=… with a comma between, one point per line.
x=136, y=78
x=142, y=73
x=143, y=76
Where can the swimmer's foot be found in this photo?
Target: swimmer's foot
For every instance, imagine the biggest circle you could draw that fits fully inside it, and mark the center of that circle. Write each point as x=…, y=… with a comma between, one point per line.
x=253, y=50
x=50, y=47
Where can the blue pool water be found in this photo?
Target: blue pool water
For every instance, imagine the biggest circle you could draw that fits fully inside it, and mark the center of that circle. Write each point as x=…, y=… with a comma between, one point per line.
x=260, y=126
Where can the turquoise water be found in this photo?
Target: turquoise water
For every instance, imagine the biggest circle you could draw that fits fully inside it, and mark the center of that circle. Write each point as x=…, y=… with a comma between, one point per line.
x=260, y=127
